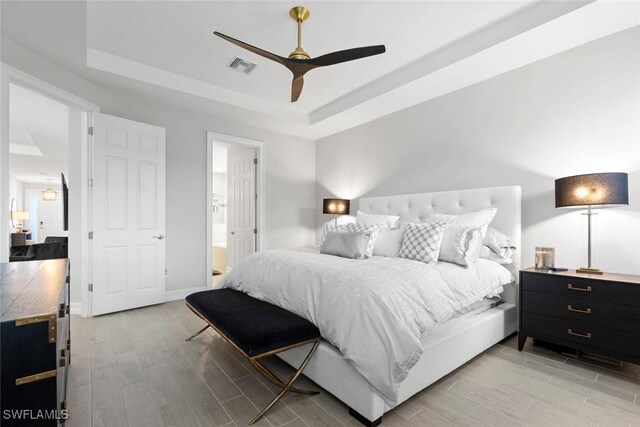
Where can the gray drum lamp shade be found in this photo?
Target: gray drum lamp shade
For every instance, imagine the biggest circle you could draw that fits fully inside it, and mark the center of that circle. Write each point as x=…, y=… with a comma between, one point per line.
x=594, y=189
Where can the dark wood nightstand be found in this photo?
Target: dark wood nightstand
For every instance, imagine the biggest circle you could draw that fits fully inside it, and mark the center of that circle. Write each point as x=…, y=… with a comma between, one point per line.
x=597, y=314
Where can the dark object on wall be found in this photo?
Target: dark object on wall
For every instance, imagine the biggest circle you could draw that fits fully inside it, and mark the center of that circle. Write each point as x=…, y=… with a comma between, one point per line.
x=52, y=248
x=592, y=190
x=35, y=339
x=65, y=202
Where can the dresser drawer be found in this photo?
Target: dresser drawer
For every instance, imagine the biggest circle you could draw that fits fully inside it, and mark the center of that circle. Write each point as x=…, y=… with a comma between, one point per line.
x=612, y=315
x=582, y=333
x=582, y=287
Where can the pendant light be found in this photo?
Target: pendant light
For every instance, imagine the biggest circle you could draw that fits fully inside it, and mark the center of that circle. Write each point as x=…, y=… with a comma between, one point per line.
x=49, y=194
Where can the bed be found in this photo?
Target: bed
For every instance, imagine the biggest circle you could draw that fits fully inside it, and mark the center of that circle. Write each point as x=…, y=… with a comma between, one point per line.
x=448, y=346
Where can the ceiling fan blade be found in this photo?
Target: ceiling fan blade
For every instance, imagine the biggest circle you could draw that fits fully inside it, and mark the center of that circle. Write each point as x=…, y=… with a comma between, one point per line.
x=296, y=87
x=256, y=50
x=346, y=55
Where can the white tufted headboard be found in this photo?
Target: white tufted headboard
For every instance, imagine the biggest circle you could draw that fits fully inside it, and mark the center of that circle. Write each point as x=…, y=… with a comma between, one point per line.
x=416, y=208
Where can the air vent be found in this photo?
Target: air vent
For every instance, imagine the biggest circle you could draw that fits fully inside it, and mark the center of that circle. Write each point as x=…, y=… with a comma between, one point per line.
x=241, y=65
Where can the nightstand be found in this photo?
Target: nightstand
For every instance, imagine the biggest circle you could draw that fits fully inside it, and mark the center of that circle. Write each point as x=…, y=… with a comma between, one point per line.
x=597, y=314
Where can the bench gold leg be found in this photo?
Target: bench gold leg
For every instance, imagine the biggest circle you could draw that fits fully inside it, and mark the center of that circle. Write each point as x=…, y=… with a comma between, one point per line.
x=197, y=333
x=273, y=379
x=285, y=387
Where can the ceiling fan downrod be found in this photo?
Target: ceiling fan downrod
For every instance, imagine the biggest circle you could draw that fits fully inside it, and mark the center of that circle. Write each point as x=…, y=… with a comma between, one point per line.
x=299, y=14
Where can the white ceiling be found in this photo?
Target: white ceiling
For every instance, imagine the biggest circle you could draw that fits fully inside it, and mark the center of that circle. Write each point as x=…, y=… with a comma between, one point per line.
x=165, y=50
x=38, y=135
x=177, y=37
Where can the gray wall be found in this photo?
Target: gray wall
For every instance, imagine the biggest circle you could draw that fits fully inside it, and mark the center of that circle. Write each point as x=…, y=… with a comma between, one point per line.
x=577, y=112
x=289, y=165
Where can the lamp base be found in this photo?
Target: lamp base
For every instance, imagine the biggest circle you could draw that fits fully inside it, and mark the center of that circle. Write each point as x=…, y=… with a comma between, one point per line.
x=585, y=270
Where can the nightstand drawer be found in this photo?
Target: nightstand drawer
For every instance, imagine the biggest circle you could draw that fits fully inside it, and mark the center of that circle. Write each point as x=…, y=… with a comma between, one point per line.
x=581, y=333
x=612, y=315
x=581, y=287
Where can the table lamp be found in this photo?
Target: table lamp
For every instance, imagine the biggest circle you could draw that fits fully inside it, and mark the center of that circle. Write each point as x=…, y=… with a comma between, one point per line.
x=592, y=190
x=335, y=207
x=20, y=216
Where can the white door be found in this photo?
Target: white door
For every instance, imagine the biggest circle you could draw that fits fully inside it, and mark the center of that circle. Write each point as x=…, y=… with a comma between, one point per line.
x=128, y=208
x=45, y=216
x=50, y=218
x=241, y=215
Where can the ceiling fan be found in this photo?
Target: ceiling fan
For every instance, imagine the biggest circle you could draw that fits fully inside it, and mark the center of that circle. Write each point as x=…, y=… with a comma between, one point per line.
x=300, y=62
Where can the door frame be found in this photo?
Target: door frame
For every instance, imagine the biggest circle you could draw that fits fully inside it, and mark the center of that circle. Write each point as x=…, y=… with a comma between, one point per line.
x=11, y=75
x=260, y=190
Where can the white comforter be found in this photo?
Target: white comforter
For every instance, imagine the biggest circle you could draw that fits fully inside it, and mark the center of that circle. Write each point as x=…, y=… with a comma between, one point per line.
x=374, y=311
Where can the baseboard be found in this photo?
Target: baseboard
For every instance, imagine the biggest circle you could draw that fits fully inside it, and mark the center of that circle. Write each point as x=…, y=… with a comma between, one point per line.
x=181, y=293
x=75, y=308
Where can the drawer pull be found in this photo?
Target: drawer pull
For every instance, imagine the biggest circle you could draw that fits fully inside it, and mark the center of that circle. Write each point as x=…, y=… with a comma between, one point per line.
x=573, y=288
x=577, y=310
x=587, y=335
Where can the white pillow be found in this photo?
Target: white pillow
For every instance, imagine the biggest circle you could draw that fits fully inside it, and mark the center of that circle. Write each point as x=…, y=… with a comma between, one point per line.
x=421, y=242
x=487, y=253
x=460, y=245
x=388, y=242
x=372, y=230
x=346, y=244
x=499, y=243
x=382, y=221
x=481, y=218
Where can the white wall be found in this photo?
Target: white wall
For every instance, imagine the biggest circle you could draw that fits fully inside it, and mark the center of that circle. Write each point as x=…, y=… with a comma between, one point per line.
x=577, y=112
x=289, y=163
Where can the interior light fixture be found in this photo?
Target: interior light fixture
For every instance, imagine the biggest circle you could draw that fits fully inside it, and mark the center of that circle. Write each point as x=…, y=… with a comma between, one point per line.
x=335, y=207
x=592, y=190
x=49, y=194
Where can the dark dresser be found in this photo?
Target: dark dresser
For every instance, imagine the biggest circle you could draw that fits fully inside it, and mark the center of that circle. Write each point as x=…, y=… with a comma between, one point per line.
x=35, y=342
x=597, y=314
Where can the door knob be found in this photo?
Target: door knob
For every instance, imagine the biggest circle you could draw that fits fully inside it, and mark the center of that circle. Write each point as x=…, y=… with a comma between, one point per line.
x=159, y=237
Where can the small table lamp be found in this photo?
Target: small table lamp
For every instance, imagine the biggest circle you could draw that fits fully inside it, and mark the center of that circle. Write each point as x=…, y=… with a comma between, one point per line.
x=335, y=207
x=592, y=190
x=20, y=216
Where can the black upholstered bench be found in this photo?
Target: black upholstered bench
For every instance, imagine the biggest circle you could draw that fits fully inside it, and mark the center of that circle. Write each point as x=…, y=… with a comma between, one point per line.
x=257, y=329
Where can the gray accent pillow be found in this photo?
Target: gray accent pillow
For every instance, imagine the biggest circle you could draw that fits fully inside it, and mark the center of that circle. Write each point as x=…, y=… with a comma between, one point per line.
x=346, y=244
x=372, y=229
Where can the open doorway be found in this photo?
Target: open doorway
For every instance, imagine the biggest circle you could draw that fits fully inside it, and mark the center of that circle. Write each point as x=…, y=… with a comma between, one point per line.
x=38, y=163
x=44, y=134
x=234, y=218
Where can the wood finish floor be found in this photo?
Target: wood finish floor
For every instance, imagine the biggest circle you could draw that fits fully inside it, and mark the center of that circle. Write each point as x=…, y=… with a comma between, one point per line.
x=135, y=369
